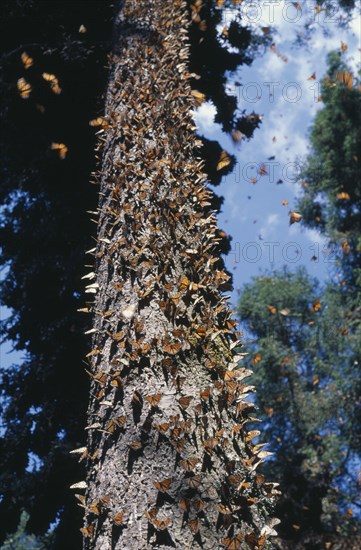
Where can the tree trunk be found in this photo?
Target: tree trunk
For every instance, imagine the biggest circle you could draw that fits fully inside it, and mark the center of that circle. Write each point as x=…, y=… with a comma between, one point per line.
x=170, y=464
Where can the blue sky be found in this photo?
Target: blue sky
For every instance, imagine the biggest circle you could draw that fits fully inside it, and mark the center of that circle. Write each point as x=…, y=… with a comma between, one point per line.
x=282, y=93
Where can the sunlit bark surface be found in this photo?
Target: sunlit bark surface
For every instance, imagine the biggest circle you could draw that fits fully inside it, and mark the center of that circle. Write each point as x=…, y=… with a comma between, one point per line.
x=170, y=463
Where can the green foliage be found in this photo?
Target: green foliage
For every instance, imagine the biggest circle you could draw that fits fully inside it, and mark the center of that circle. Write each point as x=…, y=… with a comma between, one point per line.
x=332, y=173
x=304, y=400
x=331, y=200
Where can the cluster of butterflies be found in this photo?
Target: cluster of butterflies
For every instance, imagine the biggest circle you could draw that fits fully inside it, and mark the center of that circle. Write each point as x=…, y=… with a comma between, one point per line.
x=160, y=233
x=25, y=89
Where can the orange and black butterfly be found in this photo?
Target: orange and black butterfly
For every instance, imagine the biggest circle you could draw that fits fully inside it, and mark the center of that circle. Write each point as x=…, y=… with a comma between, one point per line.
x=162, y=428
x=24, y=88
x=54, y=82
x=178, y=445
x=189, y=464
x=135, y=445
x=151, y=513
x=194, y=481
x=223, y=161
x=231, y=386
x=254, y=541
x=162, y=486
x=345, y=78
x=198, y=504
x=251, y=434
x=118, y=519
x=100, y=121
x=185, y=504
x=171, y=348
x=234, y=480
x=194, y=525
x=185, y=402
x=61, y=148
x=162, y=524
x=316, y=306
x=154, y=399
x=27, y=60
x=205, y=394
x=210, y=444
x=199, y=97
x=233, y=543
x=223, y=509
x=88, y=531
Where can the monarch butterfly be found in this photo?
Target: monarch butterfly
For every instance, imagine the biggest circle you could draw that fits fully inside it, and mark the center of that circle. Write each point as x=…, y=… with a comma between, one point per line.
x=295, y=217
x=118, y=519
x=199, y=97
x=27, y=60
x=316, y=306
x=224, y=160
x=151, y=513
x=345, y=78
x=250, y=435
x=185, y=401
x=272, y=309
x=194, y=525
x=205, y=394
x=24, y=88
x=210, y=444
x=162, y=523
x=171, y=348
x=256, y=542
x=231, y=386
x=194, y=481
x=185, y=504
x=135, y=445
x=54, y=82
x=312, y=77
x=343, y=196
x=202, y=26
x=61, y=148
x=100, y=121
x=88, y=531
x=234, y=479
x=184, y=283
x=94, y=509
x=198, y=504
x=154, y=399
x=233, y=543
x=162, y=428
x=189, y=464
x=162, y=486
x=120, y=420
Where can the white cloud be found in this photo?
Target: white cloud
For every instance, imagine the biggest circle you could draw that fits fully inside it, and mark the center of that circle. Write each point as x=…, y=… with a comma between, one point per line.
x=204, y=118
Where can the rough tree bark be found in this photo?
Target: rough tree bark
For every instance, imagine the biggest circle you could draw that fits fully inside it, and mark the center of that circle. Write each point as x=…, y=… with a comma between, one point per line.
x=170, y=463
